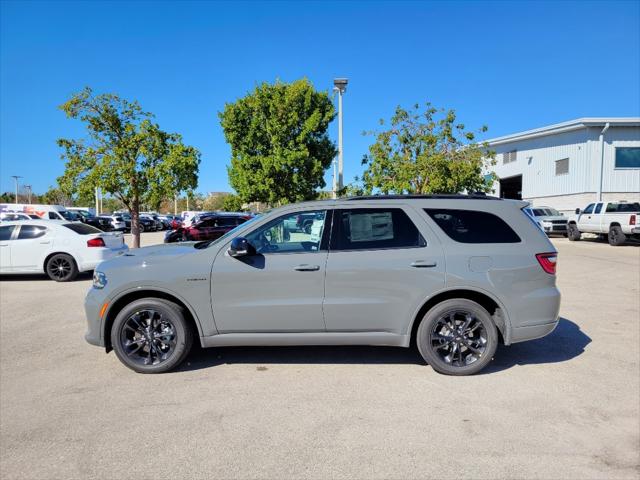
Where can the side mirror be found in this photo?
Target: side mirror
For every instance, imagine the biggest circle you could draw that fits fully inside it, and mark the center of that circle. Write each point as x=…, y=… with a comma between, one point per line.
x=577, y=211
x=240, y=247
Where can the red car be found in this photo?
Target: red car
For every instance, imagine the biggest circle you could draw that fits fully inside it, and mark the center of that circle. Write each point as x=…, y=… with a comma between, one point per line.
x=212, y=227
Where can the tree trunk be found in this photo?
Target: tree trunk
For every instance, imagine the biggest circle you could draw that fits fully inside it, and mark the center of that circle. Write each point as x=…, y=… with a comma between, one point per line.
x=135, y=222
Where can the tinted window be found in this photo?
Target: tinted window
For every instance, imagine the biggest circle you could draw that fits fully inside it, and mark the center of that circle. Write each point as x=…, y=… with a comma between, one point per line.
x=6, y=231
x=53, y=216
x=283, y=235
x=628, y=157
x=623, y=207
x=82, y=228
x=470, y=226
x=31, y=231
x=598, y=208
x=589, y=208
x=374, y=228
x=227, y=221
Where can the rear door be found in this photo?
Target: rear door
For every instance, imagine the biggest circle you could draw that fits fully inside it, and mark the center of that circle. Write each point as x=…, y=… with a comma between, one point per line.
x=382, y=264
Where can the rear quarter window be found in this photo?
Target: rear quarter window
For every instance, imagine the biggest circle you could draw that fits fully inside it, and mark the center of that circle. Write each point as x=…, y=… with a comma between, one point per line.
x=472, y=226
x=82, y=228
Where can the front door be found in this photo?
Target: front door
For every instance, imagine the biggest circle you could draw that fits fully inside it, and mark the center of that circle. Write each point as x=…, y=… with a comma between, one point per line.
x=280, y=289
x=29, y=247
x=380, y=269
x=6, y=231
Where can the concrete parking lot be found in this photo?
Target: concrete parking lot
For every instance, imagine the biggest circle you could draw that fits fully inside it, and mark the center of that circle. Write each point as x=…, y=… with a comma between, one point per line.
x=566, y=406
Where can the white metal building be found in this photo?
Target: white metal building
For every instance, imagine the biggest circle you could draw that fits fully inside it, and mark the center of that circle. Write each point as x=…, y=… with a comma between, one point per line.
x=570, y=164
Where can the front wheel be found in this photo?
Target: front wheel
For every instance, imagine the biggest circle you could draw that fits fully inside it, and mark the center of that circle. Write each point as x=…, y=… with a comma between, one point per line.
x=61, y=268
x=616, y=236
x=573, y=233
x=457, y=337
x=151, y=335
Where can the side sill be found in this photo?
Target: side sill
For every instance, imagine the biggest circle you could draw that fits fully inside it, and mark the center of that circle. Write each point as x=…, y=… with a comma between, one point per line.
x=313, y=338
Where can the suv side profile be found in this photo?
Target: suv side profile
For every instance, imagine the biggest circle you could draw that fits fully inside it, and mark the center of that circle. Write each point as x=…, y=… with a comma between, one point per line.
x=453, y=274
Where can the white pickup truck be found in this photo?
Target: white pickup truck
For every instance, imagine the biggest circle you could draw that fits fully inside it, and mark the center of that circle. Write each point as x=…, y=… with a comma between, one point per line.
x=617, y=220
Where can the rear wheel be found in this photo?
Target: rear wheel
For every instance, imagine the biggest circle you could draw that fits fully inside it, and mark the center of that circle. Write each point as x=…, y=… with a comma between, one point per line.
x=573, y=234
x=457, y=337
x=151, y=335
x=61, y=268
x=616, y=237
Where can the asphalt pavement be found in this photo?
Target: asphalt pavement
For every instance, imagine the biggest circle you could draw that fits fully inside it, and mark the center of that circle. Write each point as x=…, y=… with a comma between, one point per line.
x=565, y=406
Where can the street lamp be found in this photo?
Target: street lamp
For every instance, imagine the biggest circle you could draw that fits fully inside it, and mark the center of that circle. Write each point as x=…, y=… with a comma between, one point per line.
x=340, y=86
x=28, y=187
x=16, y=177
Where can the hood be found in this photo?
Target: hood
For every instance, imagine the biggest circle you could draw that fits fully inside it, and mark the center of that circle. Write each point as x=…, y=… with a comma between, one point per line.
x=151, y=255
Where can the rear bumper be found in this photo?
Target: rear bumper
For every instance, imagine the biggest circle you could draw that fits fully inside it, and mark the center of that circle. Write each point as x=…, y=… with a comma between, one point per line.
x=523, y=334
x=99, y=255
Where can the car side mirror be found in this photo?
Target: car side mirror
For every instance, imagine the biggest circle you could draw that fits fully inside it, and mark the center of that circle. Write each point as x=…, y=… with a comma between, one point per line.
x=240, y=247
x=577, y=211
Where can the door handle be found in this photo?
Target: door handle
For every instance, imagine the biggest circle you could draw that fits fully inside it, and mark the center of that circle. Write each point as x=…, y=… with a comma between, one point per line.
x=45, y=243
x=424, y=263
x=306, y=268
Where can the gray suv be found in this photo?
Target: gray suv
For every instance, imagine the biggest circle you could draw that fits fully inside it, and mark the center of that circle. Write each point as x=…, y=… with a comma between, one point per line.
x=453, y=274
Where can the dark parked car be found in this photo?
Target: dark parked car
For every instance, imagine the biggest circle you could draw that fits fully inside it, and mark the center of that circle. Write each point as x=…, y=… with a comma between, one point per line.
x=207, y=228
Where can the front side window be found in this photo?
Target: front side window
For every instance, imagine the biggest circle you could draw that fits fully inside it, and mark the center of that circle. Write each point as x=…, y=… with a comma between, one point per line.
x=31, y=231
x=5, y=232
x=471, y=226
x=589, y=208
x=374, y=228
x=285, y=235
x=628, y=157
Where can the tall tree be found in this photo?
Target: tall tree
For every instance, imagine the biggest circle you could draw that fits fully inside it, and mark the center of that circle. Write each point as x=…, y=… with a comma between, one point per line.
x=280, y=147
x=125, y=154
x=426, y=152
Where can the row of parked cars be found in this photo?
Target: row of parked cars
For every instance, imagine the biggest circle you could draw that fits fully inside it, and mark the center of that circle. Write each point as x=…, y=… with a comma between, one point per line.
x=617, y=221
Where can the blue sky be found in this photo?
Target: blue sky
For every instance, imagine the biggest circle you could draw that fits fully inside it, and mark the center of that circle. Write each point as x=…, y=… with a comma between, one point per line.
x=510, y=65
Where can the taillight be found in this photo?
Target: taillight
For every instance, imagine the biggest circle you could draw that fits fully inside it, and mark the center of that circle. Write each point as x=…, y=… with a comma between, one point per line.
x=548, y=262
x=95, y=242
x=632, y=220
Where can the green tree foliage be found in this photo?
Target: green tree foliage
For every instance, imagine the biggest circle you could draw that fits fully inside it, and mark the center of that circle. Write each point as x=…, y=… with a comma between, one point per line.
x=232, y=203
x=280, y=148
x=425, y=152
x=55, y=196
x=125, y=154
x=214, y=202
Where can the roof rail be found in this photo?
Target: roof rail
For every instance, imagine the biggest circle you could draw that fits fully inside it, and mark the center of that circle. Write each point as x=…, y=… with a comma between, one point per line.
x=442, y=196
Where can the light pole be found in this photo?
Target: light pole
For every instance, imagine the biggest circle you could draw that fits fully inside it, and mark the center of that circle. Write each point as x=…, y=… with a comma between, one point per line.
x=340, y=86
x=28, y=187
x=16, y=177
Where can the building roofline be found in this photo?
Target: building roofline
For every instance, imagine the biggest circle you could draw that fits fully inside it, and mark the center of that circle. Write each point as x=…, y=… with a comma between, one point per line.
x=556, y=128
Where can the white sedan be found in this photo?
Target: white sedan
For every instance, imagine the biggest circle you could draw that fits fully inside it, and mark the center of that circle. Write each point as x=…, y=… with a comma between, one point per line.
x=58, y=248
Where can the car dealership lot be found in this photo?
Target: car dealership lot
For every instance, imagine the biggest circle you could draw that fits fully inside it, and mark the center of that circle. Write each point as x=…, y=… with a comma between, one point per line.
x=565, y=406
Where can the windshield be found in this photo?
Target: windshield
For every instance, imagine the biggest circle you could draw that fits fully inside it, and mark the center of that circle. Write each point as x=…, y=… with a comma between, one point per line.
x=230, y=233
x=68, y=215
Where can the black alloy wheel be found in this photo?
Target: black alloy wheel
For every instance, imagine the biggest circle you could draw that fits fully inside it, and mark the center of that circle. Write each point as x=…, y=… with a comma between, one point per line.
x=62, y=268
x=457, y=337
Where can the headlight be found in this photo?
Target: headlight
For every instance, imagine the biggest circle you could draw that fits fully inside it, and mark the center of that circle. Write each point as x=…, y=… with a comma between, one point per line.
x=99, y=279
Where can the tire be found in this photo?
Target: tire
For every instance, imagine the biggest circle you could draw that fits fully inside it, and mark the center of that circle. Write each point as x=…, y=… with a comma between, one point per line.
x=447, y=355
x=140, y=227
x=61, y=268
x=573, y=234
x=616, y=237
x=163, y=347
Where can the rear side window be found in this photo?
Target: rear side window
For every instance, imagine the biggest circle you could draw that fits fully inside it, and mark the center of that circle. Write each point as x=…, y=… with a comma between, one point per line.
x=227, y=221
x=471, y=226
x=82, y=228
x=598, y=208
x=31, y=231
x=374, y=228
x=623, y=207
x=6, y=231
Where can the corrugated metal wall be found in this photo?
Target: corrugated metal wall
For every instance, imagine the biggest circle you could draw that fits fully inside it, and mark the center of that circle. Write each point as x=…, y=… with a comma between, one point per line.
x=536, y=162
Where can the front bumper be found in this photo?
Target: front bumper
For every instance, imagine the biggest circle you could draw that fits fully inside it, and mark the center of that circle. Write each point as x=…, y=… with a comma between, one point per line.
x=93, y=303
